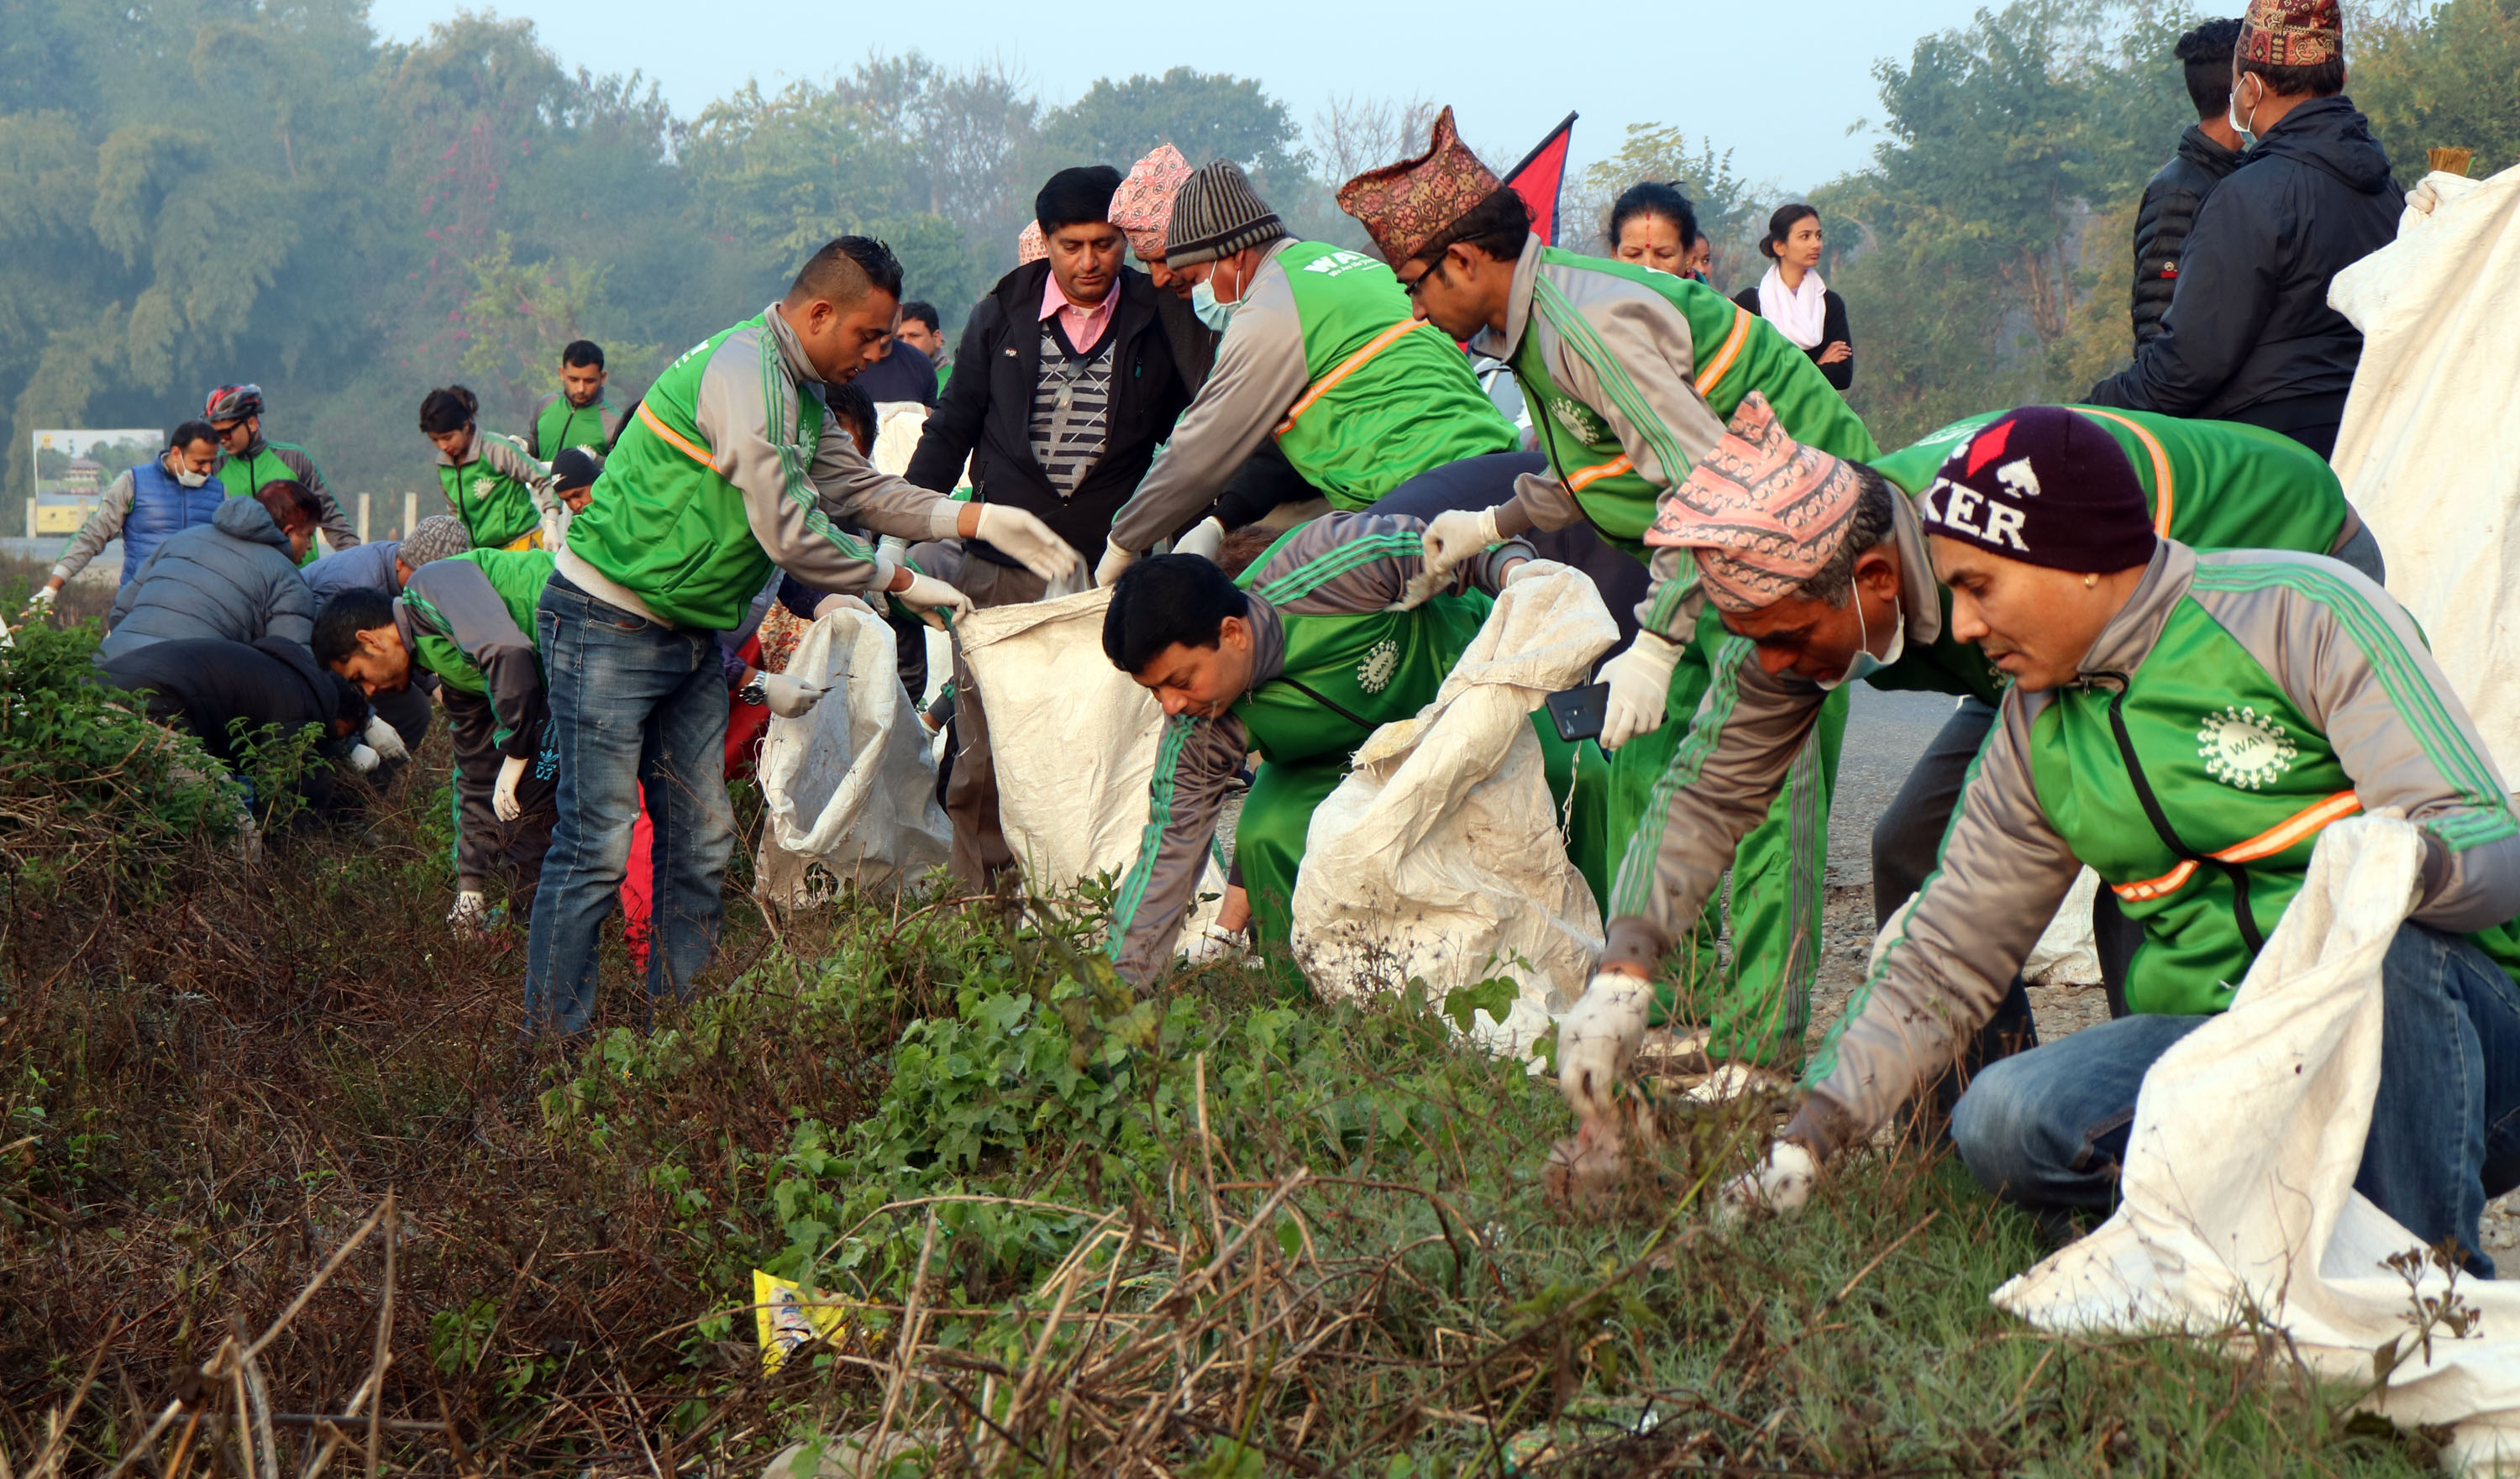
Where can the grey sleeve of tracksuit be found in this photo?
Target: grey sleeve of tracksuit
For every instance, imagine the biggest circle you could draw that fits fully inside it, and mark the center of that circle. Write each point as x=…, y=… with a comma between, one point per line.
x=1195, y=761
x=339, y=533
x=855, y=491
x=1259, y=374
x=102, y=528
x=468, y=612
x=1316, y=574
x=746, y=393
x=1741, y=744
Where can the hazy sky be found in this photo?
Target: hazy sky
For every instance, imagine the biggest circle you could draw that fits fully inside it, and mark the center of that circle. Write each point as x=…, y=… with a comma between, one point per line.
x=1778, y=86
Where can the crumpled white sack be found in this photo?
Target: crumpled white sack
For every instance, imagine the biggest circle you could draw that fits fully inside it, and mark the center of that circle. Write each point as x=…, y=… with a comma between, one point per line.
x=2238, y=1187
x=851, y=783
x=1439, y=856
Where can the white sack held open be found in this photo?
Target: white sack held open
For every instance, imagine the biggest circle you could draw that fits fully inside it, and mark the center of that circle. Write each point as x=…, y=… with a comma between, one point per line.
x=2238, y=1187
x=1074, y=742
x=850, y=785
x=1440, y=857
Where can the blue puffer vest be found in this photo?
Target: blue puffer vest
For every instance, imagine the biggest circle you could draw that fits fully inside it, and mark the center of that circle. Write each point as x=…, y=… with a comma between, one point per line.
x=161, y=506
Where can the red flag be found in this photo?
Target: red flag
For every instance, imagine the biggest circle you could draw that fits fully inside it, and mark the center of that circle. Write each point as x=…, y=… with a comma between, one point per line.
x=1538, y=177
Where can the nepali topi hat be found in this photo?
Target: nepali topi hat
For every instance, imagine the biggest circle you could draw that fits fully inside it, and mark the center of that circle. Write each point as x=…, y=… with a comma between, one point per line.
x=1143, y=207
x=1408, y=204
x=1762, y=512
x=2291, y=33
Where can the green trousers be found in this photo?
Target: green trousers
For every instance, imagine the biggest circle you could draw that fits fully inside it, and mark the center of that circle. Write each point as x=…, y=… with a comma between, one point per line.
x=1756, y=1004
x=1269, y=841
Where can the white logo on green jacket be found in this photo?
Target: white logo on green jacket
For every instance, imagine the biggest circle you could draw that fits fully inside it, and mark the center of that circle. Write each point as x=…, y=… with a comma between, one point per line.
x=1338, y=262
x=1382, y=662
x=482, y=486
x=1579, y=421
x=2244, y=748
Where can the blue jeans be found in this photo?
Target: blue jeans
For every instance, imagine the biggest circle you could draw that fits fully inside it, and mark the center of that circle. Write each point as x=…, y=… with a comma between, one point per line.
x=635, y=708
x=2049, y=1127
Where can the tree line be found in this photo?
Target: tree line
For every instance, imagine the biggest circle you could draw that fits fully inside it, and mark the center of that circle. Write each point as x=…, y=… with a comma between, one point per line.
x=202, y=191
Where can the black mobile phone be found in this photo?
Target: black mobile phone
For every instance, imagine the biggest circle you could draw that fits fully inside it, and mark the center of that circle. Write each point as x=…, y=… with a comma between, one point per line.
x=1578, y=712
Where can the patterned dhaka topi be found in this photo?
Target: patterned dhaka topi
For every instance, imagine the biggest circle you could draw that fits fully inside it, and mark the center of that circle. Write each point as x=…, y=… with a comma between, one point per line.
x=1143, y=208
x=1762, y=512
x=1405, y=206
x=2291, y=33
x=1030, y=244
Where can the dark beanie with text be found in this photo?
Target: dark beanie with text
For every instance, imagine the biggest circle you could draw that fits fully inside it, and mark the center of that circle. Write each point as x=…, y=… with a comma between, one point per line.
x=2045, y=486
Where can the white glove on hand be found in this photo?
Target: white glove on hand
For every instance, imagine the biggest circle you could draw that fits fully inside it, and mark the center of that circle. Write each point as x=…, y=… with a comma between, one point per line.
x=1598, y=1040
x=925, y=595
x=789, y=697
x=1212, y=943
x=1455, y=537
x=1203, y=540
x=363, y=759
x=1528, y=569
x=471, y=914
x=384, y=739
x=1114, y=560
x=502, y=796
x=1032, y=543
x=1781, y=1183
x=42, y=600
x=1640, y=680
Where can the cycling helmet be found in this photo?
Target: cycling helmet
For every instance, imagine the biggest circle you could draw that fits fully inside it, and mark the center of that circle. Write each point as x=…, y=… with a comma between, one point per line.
x=233, y=403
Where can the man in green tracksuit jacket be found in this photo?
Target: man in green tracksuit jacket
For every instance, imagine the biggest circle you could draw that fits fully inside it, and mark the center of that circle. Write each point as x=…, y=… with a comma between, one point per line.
x=248, y=462
x=1300, y=659
x=2187, y=725
x=577, y=415
x=469, y=621
x=1320, y=352
x=730, y=464
x=1878, y=612
x=1629, y=376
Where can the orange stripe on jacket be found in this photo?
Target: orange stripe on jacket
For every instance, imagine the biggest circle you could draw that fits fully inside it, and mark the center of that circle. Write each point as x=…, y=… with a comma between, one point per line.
x=691, y=449
x=1347, y=367
x=1722, y=363
x=2307, y=822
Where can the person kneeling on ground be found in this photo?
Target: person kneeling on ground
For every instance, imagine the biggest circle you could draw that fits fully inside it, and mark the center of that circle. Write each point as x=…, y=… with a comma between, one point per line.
x=2186, y=723
x=465, y=619
x=1300, y=659
x=225, y=694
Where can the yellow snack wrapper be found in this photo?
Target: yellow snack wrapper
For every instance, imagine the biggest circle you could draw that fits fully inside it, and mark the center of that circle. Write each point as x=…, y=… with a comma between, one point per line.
x=785, y=1316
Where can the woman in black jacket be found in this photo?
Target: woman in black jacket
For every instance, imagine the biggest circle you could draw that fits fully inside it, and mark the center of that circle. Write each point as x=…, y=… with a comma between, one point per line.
x=1792, y=296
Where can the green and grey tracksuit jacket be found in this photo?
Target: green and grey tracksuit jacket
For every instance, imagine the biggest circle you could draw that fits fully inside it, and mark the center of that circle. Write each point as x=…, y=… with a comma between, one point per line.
x=728, y=467
x=2212, y=485
x=1324, y=353
x=500, y=492
x=469, y=619
x=2250, y=699
x=1330, y=662
x=266, y=462
x=1630, y=375
x=557, y=426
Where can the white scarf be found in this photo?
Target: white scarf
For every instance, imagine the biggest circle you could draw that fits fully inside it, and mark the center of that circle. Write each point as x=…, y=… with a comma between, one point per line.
x=1798, y=312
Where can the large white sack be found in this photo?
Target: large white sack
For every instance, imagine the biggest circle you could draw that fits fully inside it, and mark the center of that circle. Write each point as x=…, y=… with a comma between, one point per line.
x=1073, y=740
x=1439, y=856
x=2238, y=1187
x=897, y=424
x=2430, y=449
x=850, y=785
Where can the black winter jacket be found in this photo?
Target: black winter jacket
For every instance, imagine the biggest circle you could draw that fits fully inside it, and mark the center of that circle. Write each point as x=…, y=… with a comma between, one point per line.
x=2162, y=221
x=1833, y=330
x=208, y=685
x=2249, y=335
x=986, y=413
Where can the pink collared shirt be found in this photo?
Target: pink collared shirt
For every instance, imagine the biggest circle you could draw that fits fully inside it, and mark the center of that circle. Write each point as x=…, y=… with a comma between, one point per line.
x=1085, y=326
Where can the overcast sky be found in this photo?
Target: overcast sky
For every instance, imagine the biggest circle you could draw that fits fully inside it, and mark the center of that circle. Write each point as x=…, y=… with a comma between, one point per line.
x=1778, y=86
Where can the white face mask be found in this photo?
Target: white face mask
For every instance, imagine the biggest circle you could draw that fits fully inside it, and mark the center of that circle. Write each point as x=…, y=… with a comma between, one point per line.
x=1864, y=665
x=2231, y=115
x=190, y=478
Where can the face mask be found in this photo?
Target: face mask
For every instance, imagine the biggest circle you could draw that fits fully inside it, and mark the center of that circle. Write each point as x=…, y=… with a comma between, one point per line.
x=192, y=479
x=1203, y=303
x=1866, y=665
x=2231, y=115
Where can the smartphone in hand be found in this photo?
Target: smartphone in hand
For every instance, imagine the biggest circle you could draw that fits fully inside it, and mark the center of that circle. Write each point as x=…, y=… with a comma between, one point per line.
x=1579, y=712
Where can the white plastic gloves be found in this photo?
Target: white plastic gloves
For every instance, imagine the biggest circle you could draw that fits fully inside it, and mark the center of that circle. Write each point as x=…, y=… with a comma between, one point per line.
x=1114, y=560
x=1203, y=540
x=363, y=759
x=384, y=740
x=1030, y=542
x=42, y=600
x=1640, y=680
x=1598, y=1040
x=789, y=697
x=1781, y=1183
x=928, y=598
x=1212, y=943
x=1455, y=537
x=471, y=914
x=502, y=796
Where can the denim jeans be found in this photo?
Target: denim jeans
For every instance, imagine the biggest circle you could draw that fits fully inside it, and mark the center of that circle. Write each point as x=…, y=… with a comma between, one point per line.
x=635, y=707
x=2049, y=1127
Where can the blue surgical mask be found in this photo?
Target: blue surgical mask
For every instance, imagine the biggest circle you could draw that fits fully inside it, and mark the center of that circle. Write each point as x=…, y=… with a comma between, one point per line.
x=1203, y=302
x=1864, y=665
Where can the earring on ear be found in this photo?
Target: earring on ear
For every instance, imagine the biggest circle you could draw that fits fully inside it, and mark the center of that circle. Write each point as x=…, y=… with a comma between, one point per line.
x=2089, y=580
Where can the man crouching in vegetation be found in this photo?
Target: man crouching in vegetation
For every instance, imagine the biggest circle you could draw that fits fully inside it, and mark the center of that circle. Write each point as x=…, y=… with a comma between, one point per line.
x=2186, y=723
x=466, y=618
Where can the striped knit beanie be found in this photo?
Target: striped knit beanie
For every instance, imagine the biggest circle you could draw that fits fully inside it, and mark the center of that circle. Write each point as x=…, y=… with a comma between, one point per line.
x=1216, y=215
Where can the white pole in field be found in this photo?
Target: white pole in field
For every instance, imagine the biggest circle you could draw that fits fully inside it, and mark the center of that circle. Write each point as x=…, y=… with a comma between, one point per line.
x=30, y=519
x=410, y=512
x=363, y=518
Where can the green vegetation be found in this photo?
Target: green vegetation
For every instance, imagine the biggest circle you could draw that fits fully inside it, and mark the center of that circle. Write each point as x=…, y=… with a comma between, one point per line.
x=1226, y=1231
